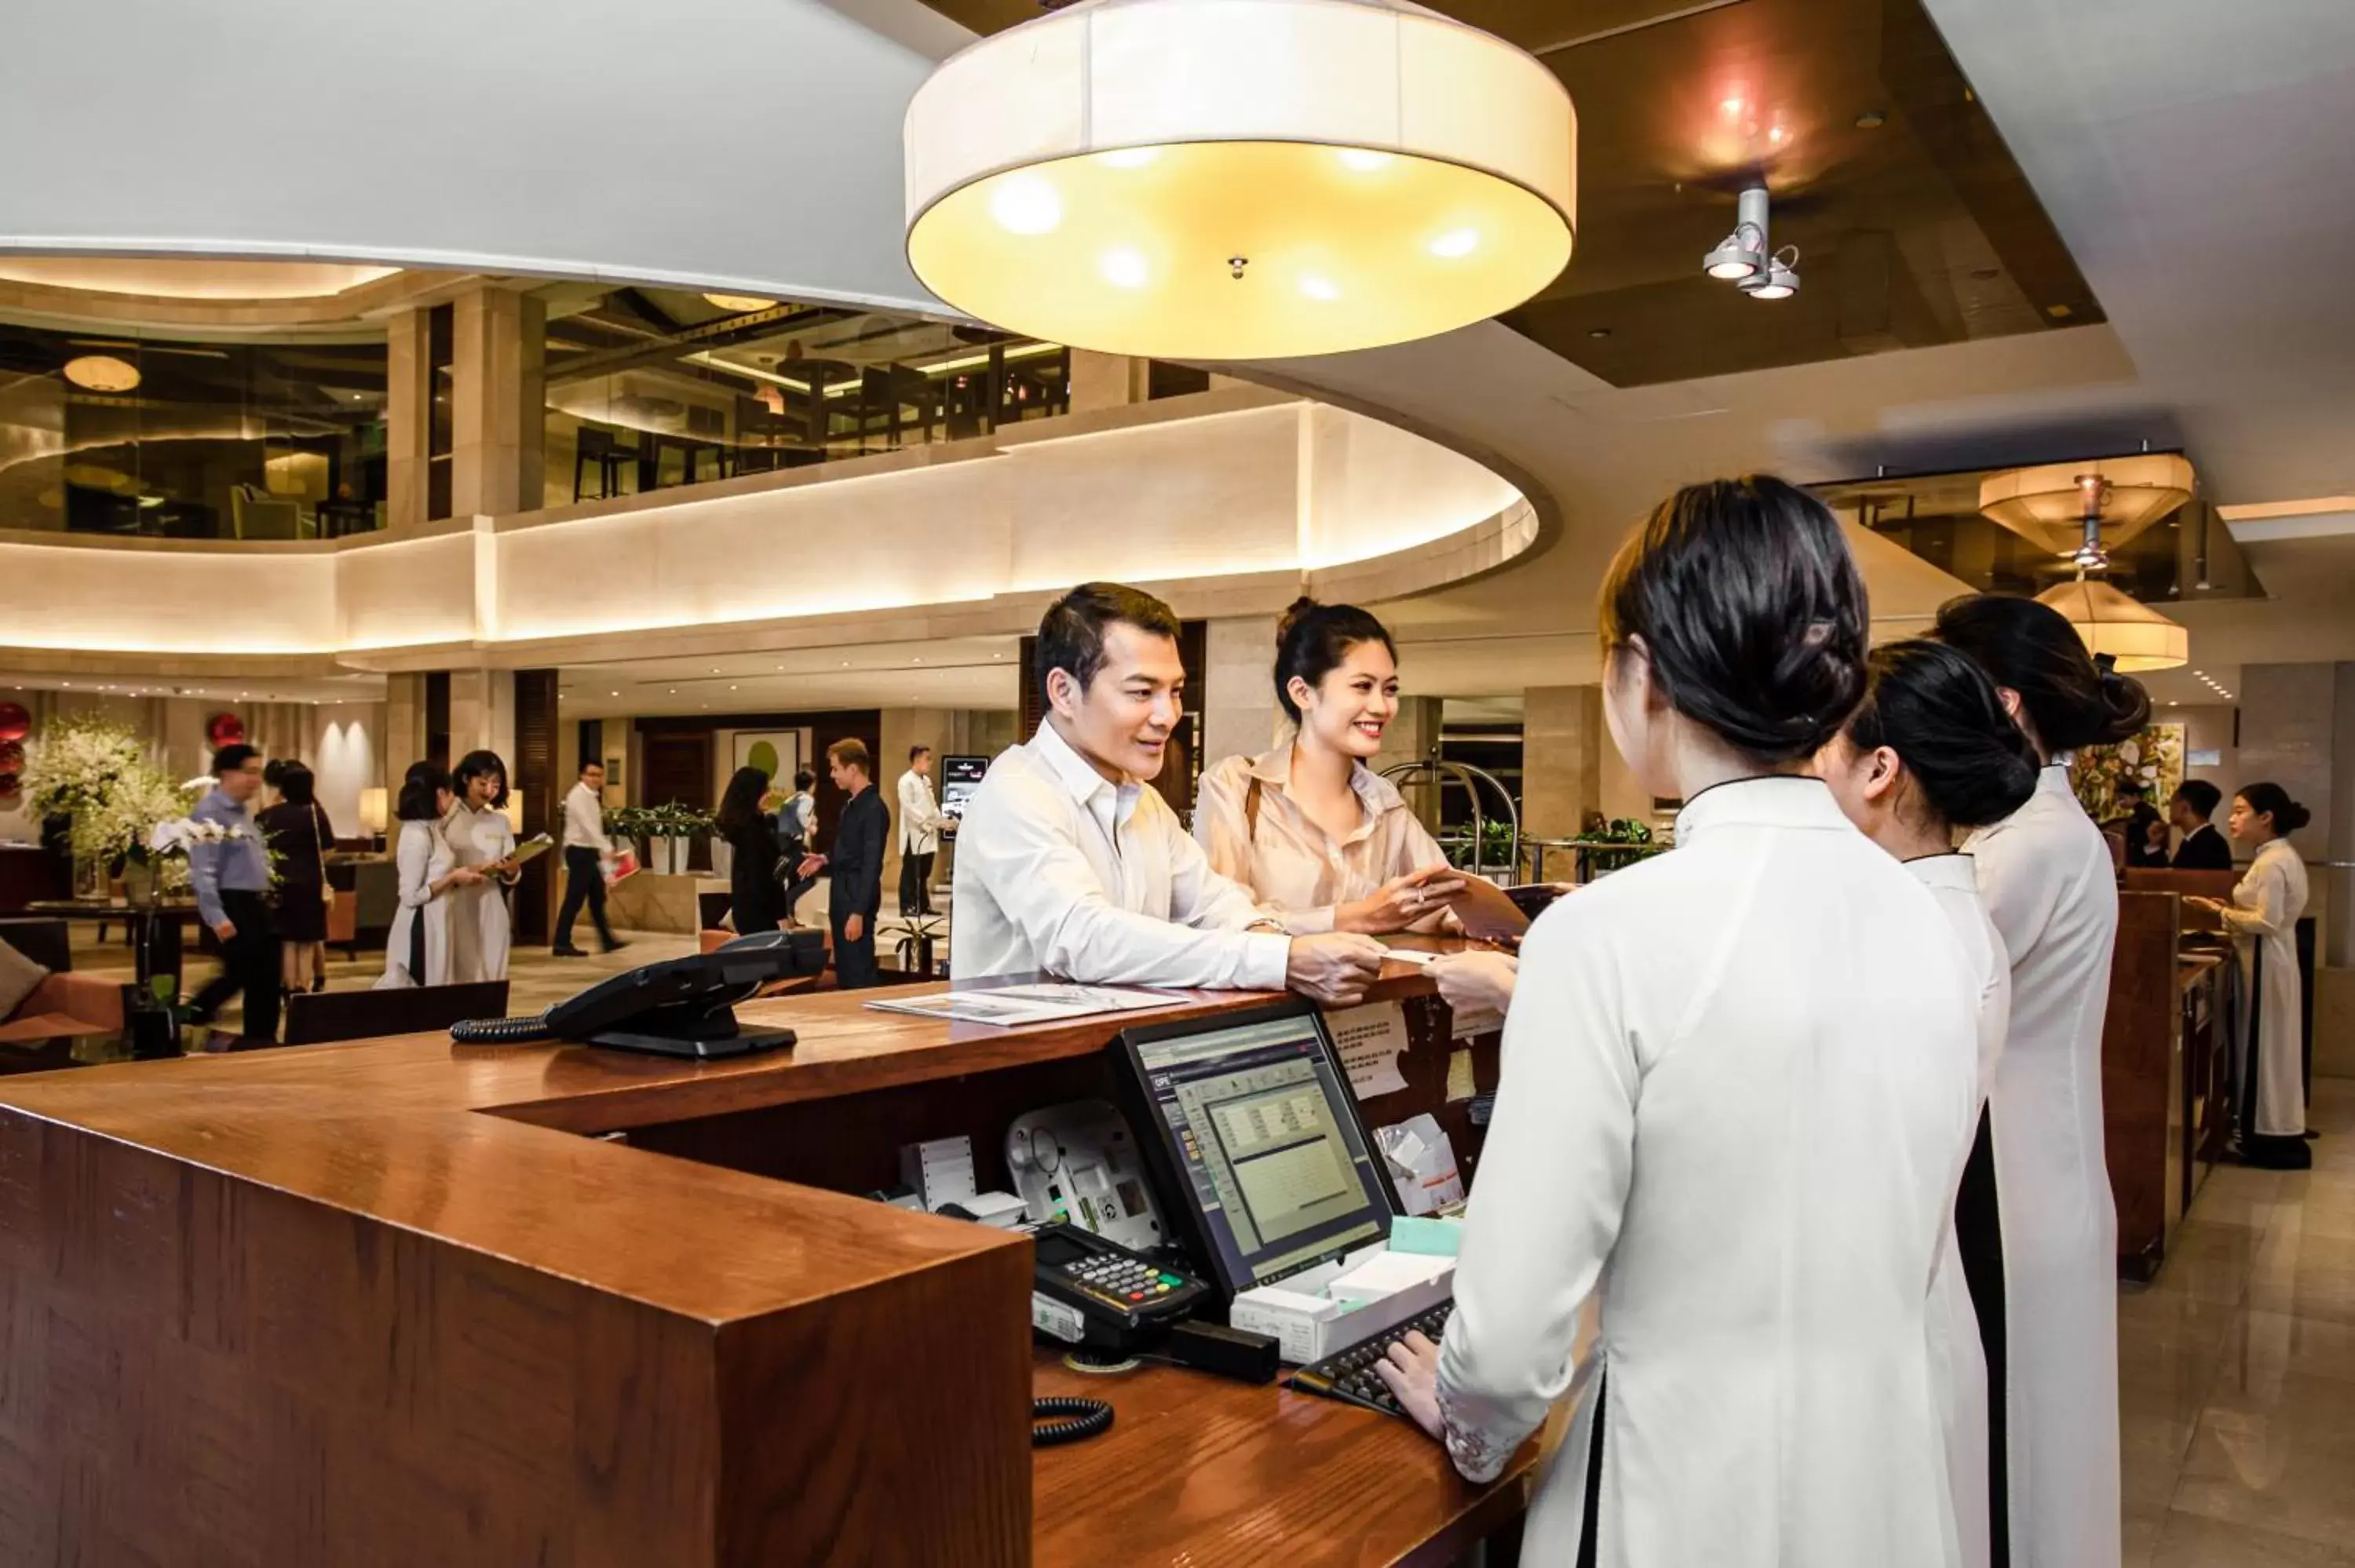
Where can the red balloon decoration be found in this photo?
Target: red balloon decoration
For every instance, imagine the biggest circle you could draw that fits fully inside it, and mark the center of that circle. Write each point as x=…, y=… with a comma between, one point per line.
x=15, y=723
x=222, y=729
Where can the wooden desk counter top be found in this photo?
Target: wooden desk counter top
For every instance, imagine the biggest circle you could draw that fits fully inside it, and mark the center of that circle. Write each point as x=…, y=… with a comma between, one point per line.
x=391, y=1252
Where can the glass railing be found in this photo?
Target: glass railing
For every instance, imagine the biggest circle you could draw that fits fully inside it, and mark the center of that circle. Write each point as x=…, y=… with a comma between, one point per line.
x=650, y=388
x=105, y=433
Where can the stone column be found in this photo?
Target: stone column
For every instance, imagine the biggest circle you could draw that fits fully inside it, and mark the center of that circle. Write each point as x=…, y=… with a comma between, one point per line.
x=1239, y=713
x=1562, y=743
x=498, y=397
x=1105, y=380
x=407, y=417
x=1414, y=736
x=902, y=728
x=404, y=727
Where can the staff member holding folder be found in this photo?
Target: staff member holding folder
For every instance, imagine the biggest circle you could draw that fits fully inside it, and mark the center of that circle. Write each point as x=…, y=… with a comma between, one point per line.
x=1737, y=1081
x=1309, y=826
x=1067, y=863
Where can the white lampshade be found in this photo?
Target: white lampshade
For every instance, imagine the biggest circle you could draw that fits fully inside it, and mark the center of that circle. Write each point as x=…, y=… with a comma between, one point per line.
x=2047, y=505
x=2136, y=637
x=1240, y=179
x=373, y=812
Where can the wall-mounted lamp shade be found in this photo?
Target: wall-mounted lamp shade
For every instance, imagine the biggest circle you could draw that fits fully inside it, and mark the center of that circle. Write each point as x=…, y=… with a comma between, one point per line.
x=2133, y=634
x=1238, y=179
x=102, y=373
x=2047, y=505
x=514, y=810
x=373, y=808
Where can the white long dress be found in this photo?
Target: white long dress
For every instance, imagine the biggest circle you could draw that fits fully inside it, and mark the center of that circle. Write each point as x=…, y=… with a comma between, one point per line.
x=2264, y=913
x=1738, y=1081
x=478, y=914
x=2046, y=874
x=1957, y=1357
x=423, y=858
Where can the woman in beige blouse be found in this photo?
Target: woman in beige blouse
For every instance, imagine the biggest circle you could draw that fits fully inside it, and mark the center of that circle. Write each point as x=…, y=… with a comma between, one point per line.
x=1309, y=826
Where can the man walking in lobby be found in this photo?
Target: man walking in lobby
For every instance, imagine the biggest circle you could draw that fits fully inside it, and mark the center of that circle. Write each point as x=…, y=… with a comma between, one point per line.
x=231, y=878
x=919, y=833
x=855, y=865
x=586, y=850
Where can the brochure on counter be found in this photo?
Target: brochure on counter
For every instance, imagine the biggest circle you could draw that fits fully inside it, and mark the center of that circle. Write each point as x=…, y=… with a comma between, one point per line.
x=1047, y=1001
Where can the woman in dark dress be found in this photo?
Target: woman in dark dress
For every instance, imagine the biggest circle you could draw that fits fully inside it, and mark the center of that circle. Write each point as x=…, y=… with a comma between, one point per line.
x=298, y=830
x=754, y=899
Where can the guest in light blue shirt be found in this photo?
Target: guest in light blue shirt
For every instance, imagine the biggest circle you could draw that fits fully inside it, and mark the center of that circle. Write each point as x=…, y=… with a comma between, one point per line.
x=232, y=881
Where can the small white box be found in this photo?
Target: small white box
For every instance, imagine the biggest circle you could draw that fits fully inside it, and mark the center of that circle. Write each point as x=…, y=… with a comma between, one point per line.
x=941, y=1171
x=1309, y=1324
x=1003, y=1210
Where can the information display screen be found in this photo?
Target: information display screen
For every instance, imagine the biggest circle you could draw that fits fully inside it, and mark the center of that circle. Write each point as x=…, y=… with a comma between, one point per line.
x=1254, y=1116
x=960, y=776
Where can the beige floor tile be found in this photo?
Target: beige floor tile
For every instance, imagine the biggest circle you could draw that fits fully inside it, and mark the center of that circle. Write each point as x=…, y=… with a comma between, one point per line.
x=2188, y=1541
x=2303, y=1274
x=2280, y=1456
x=2209, y=1262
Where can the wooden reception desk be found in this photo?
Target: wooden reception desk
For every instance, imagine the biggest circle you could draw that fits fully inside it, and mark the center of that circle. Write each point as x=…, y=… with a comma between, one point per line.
x=399, y=1302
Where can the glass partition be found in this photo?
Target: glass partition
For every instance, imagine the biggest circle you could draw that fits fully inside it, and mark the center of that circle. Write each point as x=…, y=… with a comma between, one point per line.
x=115, y=433
x=649, y=388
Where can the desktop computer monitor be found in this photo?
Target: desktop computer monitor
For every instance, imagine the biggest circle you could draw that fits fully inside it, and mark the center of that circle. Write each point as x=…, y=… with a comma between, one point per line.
x=1250, y=1125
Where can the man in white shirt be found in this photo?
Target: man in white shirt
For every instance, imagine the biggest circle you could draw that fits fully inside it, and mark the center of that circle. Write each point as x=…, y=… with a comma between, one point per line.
x=919, y=833
x=586, y=849
x=1070, y=863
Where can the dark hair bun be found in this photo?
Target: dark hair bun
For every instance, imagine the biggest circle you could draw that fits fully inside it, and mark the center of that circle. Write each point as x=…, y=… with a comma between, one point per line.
x=1313, y=639
x=1938, y=710
x=1750, y=610
x=2273, y=800
x=2070, y=701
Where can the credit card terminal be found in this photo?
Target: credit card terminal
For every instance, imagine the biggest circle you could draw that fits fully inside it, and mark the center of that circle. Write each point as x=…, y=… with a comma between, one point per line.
x=1085, y=1291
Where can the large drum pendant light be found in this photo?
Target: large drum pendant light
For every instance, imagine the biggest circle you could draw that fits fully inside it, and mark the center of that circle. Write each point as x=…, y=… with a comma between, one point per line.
x=1238, y=179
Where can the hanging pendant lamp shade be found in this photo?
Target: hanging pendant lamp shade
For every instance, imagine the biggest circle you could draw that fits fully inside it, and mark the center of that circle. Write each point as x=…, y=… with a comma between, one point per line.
x=1238, y=179
x=2047, y=505
x=2136, y=636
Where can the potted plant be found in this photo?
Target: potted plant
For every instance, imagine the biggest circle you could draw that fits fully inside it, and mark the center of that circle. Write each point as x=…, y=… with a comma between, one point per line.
x=1616, y=844
x=163, y=854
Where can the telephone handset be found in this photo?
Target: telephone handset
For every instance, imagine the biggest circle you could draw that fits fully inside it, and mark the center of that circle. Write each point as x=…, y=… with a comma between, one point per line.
x=1085, y=1291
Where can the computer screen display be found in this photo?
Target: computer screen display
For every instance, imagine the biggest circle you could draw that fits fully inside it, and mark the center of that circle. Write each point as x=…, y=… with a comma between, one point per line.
x=1255, y=1117
x=960, y=776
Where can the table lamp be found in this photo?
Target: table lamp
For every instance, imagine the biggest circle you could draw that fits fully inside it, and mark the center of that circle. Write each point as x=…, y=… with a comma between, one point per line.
x=373, y=803
x=514, y=810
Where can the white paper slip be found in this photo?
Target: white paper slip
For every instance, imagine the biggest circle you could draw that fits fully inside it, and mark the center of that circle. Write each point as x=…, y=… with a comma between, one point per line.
x=1369, y=1040
x=1414, y=956
x=1007, y=1007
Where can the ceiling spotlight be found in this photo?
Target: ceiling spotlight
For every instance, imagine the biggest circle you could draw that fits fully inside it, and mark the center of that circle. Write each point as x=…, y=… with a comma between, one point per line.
x=1779, y=282
x=1744, y=251
x=102, y=373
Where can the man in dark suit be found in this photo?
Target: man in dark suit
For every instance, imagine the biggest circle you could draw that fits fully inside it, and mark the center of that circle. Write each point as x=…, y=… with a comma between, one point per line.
x=2203, y=848
x=2146, y=831
x=855, y=865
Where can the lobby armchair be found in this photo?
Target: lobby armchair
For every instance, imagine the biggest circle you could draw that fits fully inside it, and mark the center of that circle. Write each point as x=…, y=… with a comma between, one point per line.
x=39, y=1032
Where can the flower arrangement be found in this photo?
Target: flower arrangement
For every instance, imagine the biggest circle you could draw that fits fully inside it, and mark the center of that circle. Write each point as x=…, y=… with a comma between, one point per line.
x=180, y=834
x=76, y=763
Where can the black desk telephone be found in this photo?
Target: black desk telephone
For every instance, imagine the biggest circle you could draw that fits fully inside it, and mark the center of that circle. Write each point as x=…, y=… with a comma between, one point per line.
x=678, y=1007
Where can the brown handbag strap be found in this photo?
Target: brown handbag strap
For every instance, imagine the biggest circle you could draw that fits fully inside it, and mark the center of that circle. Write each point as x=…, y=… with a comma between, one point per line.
x=1251, y=812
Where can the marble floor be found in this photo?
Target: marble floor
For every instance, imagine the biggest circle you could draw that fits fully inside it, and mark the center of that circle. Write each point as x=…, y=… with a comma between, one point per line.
x=2236, y=1365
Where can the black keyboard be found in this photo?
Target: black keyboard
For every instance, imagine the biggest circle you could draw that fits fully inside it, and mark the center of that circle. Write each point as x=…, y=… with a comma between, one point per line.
x=1349, y=1375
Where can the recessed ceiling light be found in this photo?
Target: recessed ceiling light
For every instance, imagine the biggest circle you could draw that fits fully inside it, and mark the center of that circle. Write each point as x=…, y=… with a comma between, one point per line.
x=1872, y=120
x=1598, y=332
x=740, y=303
x=102, y=373
x=1025, y=204
x=1123, y=268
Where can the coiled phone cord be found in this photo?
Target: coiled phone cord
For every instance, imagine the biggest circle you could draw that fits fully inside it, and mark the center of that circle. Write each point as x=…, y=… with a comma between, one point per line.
x=502, y=1031
x=1057, y=1420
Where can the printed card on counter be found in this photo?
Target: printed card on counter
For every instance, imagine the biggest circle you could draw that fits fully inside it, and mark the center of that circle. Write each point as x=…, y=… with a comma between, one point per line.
x=1369, y=1039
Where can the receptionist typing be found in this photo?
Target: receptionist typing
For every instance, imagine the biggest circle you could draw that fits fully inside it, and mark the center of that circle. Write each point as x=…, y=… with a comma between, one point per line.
x=1069, y=863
